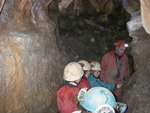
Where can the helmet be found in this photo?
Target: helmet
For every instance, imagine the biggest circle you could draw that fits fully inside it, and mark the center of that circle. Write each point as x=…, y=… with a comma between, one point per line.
x=120, y=44
x=96, y=97
x=95, y=66
x=73, y=71
x=86, y=65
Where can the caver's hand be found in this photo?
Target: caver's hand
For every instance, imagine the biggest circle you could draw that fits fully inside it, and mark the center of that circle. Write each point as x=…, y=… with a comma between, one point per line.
x=119, y=85
x=81, y=94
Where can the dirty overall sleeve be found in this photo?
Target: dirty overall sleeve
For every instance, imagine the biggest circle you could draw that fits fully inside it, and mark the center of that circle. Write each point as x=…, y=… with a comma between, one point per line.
x=123, y=69
x=103, y=76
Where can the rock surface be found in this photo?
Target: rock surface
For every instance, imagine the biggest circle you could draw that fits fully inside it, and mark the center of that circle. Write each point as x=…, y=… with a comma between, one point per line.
x=33, y=54
x=137, y=93
x=31, y=65
x=145, y=8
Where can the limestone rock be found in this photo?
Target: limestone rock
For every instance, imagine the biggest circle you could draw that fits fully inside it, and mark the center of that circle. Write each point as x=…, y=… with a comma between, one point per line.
x=145, y=9
x=137, y=94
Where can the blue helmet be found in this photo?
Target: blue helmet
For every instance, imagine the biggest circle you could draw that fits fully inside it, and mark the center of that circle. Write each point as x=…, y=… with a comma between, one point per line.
x=96, y=97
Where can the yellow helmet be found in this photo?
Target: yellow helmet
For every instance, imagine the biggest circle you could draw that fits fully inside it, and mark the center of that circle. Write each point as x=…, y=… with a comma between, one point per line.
x=73, y=71
x=86, y=65
x=95, y=66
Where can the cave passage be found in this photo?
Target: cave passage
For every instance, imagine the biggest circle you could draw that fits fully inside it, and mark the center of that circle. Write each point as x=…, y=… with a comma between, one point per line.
x=39, y=37
x=90, y=35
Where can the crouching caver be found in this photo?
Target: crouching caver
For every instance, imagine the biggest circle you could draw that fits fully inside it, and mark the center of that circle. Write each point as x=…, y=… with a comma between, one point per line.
x=100, y=100
x=94, y=80
x=67, y=94
x=115, y=67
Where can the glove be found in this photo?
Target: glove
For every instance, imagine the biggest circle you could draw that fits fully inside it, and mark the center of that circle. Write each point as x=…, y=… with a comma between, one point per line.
x=121, y=107
x=81, y=94
x=78, y=111
x=119, y=85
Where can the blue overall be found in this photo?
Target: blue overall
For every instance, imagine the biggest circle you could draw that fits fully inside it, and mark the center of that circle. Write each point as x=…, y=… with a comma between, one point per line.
x=94, y=82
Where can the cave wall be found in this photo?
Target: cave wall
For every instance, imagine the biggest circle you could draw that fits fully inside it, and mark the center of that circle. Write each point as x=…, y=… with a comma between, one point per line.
x=31, y=65
x=137, y=94
x=28, y=79
x=92, y=33
x=32, y=58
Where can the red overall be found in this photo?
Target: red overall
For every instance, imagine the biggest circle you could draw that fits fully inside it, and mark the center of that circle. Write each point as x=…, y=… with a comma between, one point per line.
x=84, y=83
x=113, y=70
x=67, y=98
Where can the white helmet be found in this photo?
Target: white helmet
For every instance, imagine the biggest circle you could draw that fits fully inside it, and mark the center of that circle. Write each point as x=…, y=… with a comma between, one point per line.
x=105, y=108
x=95, y=66
x=73, y=71
x=86, y=65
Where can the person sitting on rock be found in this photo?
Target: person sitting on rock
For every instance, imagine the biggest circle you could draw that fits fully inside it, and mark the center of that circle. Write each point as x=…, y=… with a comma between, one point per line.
x=94, y=80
